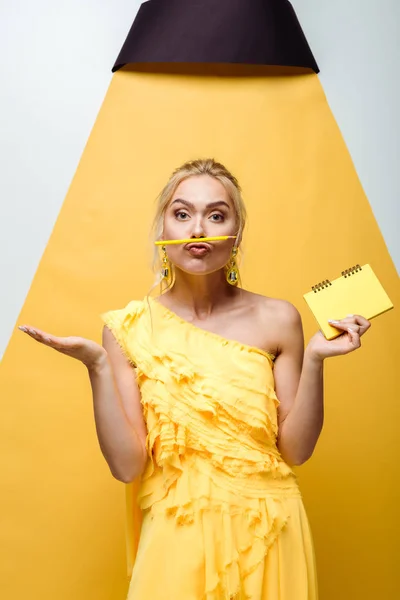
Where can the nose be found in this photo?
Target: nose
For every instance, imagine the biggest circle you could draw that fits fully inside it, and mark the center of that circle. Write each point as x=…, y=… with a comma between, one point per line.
x=198, y=229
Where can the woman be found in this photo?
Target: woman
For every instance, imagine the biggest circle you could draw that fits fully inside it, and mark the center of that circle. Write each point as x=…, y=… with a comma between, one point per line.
x=186, y=390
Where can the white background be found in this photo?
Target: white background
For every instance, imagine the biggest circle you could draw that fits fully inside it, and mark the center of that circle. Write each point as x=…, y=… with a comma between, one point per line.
x=56, y=60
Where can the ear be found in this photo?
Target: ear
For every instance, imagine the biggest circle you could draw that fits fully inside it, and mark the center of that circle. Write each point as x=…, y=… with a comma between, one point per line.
x=239, y=238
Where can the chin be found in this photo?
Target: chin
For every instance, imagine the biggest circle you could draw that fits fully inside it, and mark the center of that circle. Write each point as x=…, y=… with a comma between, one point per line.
x=198, y=267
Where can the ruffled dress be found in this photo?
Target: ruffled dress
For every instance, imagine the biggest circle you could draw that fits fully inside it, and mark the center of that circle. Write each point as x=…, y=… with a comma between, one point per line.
x=222, y=513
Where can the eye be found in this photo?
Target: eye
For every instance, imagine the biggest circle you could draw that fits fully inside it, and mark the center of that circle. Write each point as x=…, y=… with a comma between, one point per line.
x=217, y=217
x=181, y=215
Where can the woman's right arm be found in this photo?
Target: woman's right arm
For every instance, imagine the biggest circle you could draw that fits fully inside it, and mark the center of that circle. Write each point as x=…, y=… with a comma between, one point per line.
x=116, y=398
x=120, y=425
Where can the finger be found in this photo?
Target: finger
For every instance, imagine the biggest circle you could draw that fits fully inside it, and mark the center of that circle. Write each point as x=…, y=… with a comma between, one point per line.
x=38, y=335
x=32, y=331
x=346, y=320
x=359, y=323
x=354, y=337
x=363, y=322
x=353, y=334
x=359, y=320
x=344, y=324
x=352, y=328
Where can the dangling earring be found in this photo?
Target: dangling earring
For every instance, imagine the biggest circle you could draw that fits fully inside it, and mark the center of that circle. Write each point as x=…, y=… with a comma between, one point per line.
x=232, y=273
x=165, y=269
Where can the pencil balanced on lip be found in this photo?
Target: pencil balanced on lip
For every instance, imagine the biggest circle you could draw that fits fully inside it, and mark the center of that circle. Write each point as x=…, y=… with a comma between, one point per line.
x=193, y=240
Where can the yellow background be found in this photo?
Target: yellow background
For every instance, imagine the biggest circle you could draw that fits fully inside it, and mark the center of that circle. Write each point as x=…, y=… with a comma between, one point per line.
x=63, y=515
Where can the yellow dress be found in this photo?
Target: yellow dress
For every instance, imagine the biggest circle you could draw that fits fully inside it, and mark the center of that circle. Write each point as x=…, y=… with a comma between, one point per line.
x=223, y=517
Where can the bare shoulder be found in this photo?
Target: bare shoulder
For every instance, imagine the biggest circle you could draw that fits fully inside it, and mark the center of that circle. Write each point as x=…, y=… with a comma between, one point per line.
x=278, y=319
x=282, y=311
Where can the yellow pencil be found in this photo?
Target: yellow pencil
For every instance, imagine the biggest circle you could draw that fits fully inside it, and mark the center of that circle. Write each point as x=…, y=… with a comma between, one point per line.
x=194, y=240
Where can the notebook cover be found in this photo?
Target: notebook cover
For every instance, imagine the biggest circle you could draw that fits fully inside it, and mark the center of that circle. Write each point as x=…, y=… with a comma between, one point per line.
x=357, y=292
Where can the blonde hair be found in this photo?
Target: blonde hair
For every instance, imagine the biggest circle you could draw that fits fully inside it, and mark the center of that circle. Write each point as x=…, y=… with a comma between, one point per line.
x=207, y=166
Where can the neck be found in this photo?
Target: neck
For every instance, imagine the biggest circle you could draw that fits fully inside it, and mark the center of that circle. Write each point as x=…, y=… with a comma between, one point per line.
x=200, y=295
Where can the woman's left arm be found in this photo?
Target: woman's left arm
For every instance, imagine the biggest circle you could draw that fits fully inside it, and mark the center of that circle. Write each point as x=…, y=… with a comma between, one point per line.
x=299, y=381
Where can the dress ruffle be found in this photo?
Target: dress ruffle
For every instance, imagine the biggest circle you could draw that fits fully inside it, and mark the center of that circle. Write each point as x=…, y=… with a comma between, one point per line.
x=211, y=414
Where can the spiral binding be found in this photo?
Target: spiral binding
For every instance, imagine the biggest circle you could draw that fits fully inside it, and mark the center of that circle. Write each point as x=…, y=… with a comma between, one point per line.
x=320, y=286
x=351, y=271
x=326, y=283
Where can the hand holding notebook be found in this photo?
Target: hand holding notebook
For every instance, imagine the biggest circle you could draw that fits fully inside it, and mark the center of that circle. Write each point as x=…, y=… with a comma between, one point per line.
x=358, y=291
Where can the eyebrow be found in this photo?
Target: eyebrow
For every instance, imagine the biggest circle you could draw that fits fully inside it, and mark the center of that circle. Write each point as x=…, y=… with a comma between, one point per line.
x=210, y=205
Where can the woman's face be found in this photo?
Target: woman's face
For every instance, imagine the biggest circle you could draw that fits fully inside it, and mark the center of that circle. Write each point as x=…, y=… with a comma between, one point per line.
x=200, y=207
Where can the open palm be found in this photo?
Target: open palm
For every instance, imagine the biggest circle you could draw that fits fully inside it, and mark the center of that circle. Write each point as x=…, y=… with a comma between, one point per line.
x=82, y=349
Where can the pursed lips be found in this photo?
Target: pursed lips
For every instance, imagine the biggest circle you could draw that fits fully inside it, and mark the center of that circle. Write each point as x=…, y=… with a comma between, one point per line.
x=198, y=249
x=198, y=245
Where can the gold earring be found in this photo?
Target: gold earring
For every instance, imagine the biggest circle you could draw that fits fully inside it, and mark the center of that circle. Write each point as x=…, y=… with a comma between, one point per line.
x=232, y=273
x=165, y=269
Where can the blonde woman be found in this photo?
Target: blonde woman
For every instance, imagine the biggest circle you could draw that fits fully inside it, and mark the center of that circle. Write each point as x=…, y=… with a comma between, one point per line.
x=207, y=394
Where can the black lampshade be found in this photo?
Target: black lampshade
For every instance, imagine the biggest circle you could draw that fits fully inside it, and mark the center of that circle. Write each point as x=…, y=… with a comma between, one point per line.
x=217, y=31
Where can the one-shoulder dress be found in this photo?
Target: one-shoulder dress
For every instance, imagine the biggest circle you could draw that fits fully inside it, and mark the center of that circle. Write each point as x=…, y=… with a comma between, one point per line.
x=223, y=516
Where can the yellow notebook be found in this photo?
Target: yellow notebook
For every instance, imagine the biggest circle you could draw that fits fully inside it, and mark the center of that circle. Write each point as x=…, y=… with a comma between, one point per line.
x=357, y=292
